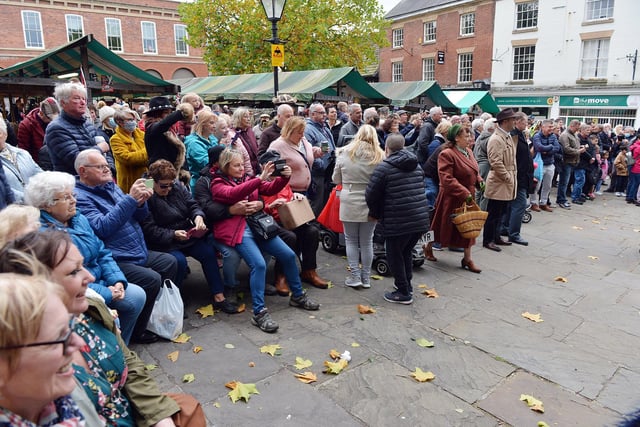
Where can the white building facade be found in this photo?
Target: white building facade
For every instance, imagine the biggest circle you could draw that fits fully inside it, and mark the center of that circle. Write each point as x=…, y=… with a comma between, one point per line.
x=570, y=59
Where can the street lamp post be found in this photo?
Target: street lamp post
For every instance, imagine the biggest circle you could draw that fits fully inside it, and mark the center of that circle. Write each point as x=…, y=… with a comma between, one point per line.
x=273, y=10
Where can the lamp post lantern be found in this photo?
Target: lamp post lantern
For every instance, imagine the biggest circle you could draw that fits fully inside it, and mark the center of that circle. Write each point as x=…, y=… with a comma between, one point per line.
x=273, y=10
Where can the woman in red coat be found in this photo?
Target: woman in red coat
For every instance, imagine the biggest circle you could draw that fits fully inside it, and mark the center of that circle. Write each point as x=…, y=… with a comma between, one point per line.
x=459, y=175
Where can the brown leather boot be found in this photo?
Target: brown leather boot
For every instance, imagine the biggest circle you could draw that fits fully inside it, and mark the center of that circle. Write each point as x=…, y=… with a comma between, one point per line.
x=282, y=287
x=312, y=278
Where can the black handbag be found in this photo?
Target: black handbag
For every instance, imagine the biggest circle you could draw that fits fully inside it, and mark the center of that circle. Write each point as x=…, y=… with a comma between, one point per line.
x=263, y=225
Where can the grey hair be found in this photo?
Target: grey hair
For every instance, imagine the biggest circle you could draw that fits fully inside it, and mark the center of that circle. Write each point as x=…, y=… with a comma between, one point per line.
x=369, y=113
x=123, y=114
x=489, y=125
x=353, y=107
x=82, y=158
x=477, y=124
x=43, y=187
x=435, y=110
x=237, y=116
x=313, y=107
x=486, y=116
x=63, y=91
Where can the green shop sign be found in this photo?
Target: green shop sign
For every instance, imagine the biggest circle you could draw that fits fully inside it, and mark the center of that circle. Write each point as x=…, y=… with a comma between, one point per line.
x=596, y=101
x=524, y=101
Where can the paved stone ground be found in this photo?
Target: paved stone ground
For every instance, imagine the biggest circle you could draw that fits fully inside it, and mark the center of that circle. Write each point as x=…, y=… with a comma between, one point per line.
x=581, y=361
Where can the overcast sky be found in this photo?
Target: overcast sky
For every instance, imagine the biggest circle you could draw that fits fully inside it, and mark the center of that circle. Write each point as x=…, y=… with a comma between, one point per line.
x=388, y=4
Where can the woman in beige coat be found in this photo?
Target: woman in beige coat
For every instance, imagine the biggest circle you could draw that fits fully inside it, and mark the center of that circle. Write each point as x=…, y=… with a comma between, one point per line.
x=354, y=165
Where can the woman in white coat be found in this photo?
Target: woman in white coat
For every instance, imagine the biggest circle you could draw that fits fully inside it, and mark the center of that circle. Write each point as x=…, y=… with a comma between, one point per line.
x=355, y=163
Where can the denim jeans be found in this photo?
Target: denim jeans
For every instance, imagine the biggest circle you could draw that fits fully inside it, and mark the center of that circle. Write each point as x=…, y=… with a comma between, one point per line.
x=632, y=187
x=250, y=249
x=129, y=309
x=230, y=263
x=431, y=190
x=579, y=176
x=359, y=235
x=399, y=256
x=516, y=210
x=563, y=183
x=203, y=251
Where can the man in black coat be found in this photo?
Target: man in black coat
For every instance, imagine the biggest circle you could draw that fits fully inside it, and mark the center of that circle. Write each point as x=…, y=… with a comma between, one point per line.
x=395, y=197
x=427, y=133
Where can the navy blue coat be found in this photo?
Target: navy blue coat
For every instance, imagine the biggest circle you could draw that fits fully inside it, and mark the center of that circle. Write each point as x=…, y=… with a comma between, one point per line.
x=65, y=137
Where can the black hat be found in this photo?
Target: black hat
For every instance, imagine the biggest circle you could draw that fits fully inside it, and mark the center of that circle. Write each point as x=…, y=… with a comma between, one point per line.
x=214, y=154
x=269, y=156
x=159, y=103
x=505, y=114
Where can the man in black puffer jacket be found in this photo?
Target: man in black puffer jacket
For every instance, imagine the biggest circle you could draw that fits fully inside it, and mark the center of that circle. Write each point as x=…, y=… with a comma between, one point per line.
x=395, y=196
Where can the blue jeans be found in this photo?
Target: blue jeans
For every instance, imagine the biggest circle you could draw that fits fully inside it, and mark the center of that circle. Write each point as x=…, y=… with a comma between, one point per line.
x=129, y=309
x=359, y=235
x=563, y=183
x=579, y=176
x=431, y=190
x=516, y=210
x=230, y=263
x=632, y=187
x=203, y=251
x=250, y=250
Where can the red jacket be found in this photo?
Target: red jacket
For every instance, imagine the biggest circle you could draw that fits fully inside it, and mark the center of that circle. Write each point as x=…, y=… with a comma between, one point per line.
x=286, y=193
x=225, y=190
x=31, y=133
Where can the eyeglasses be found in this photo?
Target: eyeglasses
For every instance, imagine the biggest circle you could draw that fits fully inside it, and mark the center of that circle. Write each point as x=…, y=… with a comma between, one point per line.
x=65, y=340
x=104, y=168
x=66, y=198
x=165, y=186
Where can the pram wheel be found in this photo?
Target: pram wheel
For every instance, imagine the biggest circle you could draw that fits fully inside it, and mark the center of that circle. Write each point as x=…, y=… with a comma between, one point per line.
x=381, y=266
x=526, y=217
x=329, y=241
x=418, y=263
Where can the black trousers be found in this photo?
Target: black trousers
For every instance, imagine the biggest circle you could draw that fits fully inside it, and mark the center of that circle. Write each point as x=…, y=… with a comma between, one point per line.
x=496, y=209
x=304, y=242
x=399, y=256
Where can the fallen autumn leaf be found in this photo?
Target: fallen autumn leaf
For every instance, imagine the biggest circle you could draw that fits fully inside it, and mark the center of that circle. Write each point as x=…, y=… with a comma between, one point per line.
x=533, y=317
x=422, y=376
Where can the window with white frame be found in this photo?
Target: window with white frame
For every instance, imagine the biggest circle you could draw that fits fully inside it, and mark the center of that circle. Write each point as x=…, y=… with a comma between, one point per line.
x=114, y=34
x=595, y=58
x=180, y=37
x=527, y=15
x=75, y=28
x=396, y=71
x=523, y=60
x=32, y=26
x=149, y=42
x=429, y=31
x=428, y=68
x=467, y=24
x=599, y=9
x=398, y=37
x=465, y=67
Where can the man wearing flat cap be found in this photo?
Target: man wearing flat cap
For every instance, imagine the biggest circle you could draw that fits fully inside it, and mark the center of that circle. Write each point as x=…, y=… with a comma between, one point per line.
x=501, y=180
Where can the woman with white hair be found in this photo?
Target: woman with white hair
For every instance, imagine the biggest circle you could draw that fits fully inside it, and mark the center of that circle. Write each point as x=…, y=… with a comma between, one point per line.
x=17, y=163
x=53, y=193
x=241, y=121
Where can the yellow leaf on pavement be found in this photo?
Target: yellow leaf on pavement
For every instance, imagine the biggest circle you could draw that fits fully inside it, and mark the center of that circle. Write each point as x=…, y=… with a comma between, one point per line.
x=334, y=354
x=561, y=279
x=270, y=349
x=422, y=376
x=188, y=378
x=150, y=367
x=575, y=227
x=355, y=344
x=335, y=367
x=182, y=338
x=306, y=377
x=242, y=308
x=365, y=309
x=241, y=391
x=216, y=404
x=423, y=342
x=533, y=317
x=302, y=363
x=593, y=257
x=205, y=311
x=229, y=346
x=542, y=424
x=197, y=349
x=431, y=293
x=595, y=221
x=173, y=356
x=376, y=277
x=533, y=403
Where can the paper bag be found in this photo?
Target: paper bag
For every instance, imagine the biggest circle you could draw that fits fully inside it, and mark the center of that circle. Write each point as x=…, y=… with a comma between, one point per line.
x=295, y=213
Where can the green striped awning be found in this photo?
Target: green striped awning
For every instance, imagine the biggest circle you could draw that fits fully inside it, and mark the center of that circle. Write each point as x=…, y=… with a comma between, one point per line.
x=401, y=93
x=466, y=99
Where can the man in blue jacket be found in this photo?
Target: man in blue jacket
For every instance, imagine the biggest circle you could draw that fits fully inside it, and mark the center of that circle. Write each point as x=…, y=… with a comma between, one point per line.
x=115, y=217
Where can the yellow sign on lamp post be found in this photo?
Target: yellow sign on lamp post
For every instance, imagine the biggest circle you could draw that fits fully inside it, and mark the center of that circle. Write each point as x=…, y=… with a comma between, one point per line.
x=277, y=55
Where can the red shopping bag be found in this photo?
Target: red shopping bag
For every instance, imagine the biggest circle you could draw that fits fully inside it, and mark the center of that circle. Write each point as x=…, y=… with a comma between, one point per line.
x=330, y=215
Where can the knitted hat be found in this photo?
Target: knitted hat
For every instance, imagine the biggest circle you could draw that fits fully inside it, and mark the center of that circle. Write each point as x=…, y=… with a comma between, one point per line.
x=105, y=112
x=50, y=108
x=453, y=132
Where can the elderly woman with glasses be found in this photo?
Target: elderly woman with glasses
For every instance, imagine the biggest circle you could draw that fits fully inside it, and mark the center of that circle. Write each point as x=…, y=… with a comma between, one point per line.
x=176, y=224
x=114, y=380
x=37, y=345
x=52, y=193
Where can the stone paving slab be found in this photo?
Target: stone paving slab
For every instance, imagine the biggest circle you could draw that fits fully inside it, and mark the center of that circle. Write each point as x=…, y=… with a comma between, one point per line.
x=616, y=393
x=561, y=407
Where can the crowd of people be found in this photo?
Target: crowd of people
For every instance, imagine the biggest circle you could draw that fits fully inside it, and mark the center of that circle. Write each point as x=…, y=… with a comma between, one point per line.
x=102, y=204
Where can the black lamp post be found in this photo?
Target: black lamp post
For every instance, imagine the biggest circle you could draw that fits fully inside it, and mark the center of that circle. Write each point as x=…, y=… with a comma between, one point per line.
x=273, y=9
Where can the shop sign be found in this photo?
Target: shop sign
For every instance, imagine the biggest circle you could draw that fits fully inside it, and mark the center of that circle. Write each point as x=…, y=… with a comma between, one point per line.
x=597, y=101
x=523, y=101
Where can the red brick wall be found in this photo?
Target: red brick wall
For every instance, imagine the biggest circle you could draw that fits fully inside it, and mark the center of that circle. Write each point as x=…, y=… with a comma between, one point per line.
x=163, y=13
x=447, y=40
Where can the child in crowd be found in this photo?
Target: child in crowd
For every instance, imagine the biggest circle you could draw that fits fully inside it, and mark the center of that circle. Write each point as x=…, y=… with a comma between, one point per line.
x=604, y=168
x=622, y=171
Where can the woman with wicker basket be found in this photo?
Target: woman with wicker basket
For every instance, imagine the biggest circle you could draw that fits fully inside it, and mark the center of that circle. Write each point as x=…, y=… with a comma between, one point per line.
x=459, y=175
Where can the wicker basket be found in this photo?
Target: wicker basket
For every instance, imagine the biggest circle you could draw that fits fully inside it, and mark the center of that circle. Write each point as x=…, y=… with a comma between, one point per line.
x=469, y=220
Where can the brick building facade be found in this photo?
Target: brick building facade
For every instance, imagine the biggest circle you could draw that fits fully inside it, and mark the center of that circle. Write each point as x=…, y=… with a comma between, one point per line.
x=450, y=42
x=148, y=33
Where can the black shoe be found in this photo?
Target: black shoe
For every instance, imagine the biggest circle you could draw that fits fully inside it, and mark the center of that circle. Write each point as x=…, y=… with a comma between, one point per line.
x=577, y=202
x=454, y=249
x=147, y=337
x=225, y=306
x=519, y=241
x=501, y=242
x=492, y=246
x=270, y=290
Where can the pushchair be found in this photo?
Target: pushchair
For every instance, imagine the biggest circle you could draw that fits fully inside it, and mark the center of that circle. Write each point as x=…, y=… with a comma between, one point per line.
x=380, y=264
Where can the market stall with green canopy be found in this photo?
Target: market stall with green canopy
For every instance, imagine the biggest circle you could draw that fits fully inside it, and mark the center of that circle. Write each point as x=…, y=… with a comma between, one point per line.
x=304, y=85
x=465, y=100
x=401, y=94
x=105, y=72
